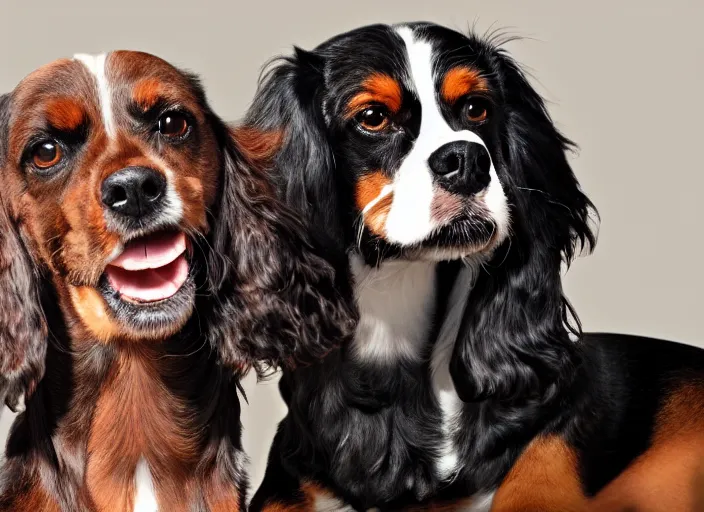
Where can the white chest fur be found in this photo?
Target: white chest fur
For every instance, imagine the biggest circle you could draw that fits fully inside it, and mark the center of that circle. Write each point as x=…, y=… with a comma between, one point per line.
x=396, y=303
x=443, y=386
x=397, y=306
x=145, y=497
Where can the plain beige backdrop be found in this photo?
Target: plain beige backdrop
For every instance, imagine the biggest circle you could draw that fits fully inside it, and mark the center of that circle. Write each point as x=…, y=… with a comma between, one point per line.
x=624, y=79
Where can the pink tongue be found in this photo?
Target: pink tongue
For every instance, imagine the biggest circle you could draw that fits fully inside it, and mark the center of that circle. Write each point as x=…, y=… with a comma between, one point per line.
x=150, y=269
x=153, y=251
x=151, y=284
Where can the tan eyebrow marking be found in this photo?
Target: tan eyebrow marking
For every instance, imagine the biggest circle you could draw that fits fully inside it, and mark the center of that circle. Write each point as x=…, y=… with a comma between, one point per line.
x=377, y=88
x=147, y=93
x=460, y=81
x=65, y=114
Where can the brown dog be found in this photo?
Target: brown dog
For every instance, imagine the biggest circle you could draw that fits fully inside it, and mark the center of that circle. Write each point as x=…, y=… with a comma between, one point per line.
x=145, y=264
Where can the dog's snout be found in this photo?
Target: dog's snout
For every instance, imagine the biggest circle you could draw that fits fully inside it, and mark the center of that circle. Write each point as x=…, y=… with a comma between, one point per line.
x=133, y=191
x=462, y=163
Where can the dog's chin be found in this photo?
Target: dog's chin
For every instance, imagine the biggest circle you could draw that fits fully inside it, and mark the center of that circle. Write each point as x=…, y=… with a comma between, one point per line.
x=149, y=288
x=460, y=239
x=150, y=320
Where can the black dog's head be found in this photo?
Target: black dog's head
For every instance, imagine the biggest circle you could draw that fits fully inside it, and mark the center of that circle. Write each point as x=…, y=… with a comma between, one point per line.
x=131, y=199
x=418, y=142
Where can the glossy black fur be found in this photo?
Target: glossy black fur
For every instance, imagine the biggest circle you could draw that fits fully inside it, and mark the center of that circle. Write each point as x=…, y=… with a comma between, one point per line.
x=369, y=432
x=607, y=413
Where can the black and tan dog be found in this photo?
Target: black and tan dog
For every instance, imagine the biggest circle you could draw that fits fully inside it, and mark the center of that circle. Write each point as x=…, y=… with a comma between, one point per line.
x=145, y=264
x=425, y=159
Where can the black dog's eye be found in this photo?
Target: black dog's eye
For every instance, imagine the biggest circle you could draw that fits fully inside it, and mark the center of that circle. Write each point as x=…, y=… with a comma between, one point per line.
x=477, y=109
x=47, y=154
x=174, y=125
x=373, y=118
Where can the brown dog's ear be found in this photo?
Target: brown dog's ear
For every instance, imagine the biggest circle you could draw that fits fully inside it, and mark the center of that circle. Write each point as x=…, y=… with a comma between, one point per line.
x=275, y=301
x=23, y=333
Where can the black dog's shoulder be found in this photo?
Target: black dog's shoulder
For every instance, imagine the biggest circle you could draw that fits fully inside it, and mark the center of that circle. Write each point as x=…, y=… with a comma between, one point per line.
x=635, y=385
x=642, y=353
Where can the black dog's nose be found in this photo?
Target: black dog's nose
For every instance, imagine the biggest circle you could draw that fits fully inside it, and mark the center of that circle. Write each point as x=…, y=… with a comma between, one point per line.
x=462, y=165
x=134, y=191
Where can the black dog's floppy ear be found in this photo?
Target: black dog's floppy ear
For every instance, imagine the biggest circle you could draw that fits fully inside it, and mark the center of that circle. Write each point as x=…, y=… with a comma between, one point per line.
x=23, y=333
x=514, y=342
x=276, y=302
x=288, y=101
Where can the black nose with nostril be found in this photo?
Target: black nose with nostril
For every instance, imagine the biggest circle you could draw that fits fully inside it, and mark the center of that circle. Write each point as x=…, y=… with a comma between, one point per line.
x=134, y=191
x=462, y=166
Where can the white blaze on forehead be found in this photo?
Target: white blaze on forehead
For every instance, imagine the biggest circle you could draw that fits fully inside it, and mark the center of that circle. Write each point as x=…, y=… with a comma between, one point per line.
x=409, y=220
x=96, y=65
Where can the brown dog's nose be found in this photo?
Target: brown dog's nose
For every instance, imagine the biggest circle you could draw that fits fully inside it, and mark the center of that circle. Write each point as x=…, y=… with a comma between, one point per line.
x=134, y=191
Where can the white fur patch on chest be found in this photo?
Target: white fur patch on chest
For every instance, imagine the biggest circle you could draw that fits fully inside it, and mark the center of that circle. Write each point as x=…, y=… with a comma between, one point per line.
x=145, y=495
x=481, y=502
x=397, y=307
x=450, y=403
x=329, y=504
x=396, y=304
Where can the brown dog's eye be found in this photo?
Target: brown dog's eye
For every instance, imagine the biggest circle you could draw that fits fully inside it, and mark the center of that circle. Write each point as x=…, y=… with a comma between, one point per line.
x=477, y=109
x=374, y=118
x=174, y=125
x=47, y=154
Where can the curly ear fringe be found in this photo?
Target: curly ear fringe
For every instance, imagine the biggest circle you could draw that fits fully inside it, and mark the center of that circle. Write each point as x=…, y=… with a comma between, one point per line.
x=288, y=303
x=514, y=342
x=258, y=148
x=303, y=171
x=276, y=301
x=23, y=332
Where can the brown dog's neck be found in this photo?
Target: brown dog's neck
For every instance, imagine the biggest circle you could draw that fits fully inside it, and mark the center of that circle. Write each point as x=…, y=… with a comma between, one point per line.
x=138, y=417
x=123, y=406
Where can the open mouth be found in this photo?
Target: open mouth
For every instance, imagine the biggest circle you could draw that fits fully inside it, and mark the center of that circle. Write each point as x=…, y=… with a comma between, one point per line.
x=151, y=268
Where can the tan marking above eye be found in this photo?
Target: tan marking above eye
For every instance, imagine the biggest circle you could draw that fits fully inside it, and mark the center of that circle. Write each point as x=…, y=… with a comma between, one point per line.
x=377, y=89
x=147, y=93
x=65, y=115
x=461, y=81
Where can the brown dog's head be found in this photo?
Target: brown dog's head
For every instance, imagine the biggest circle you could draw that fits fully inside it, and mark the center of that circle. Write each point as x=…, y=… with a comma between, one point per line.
x=128, y=195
